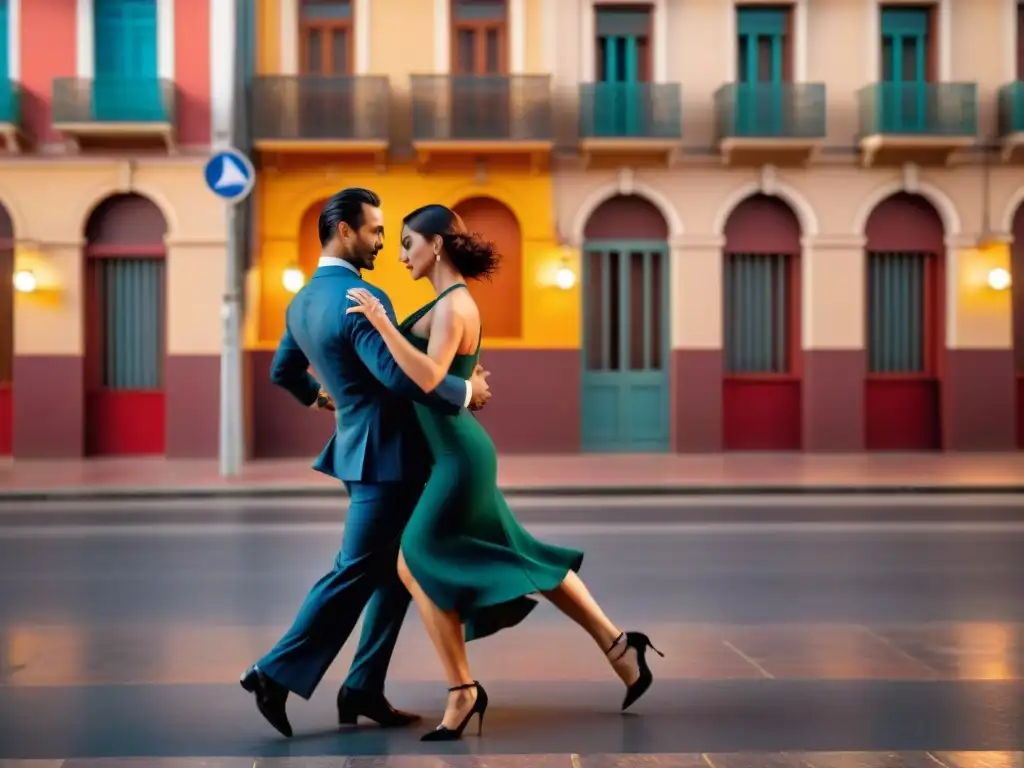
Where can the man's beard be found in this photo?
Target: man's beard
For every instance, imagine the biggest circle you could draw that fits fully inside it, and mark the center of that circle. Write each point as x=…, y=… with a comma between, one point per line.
x=361, y=258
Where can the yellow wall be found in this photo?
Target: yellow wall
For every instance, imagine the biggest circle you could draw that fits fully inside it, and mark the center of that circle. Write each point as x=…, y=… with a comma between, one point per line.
x=268, y=37
x=550, y=315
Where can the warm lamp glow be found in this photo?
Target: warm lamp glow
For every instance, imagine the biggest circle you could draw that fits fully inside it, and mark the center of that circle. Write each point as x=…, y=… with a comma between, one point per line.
x=565, y=278
x=293, y=279
x=25, y=281
x=999, y=279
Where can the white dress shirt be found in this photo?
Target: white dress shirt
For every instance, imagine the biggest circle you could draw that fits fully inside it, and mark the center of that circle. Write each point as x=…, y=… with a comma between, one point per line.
x=334, y=261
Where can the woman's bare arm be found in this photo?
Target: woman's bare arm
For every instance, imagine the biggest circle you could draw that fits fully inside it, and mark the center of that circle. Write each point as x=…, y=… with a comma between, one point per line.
x=427, y=370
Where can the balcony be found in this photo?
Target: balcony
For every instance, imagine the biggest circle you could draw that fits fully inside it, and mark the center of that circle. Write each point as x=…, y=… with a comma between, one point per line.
x=482, y=117
x=1011, y=121
x=121, y=111
x=770, y=123
x=922, y=123
x=321, y=114
x=10, y=115
x=630, y=122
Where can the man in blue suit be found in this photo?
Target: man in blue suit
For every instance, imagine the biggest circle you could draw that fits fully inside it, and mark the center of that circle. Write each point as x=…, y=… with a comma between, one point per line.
x=377, y=450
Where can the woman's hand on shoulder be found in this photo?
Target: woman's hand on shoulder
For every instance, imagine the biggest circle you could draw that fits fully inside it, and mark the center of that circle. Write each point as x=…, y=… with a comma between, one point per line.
x=368, y=305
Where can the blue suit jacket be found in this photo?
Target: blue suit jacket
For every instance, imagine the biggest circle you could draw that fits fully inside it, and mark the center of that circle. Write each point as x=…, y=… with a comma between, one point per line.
x=377, y=438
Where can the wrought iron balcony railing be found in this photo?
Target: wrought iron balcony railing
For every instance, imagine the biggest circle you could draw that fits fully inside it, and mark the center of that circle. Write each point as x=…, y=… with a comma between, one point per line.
x=630, y=111
x=923, y=109
x=321, y=108
x=770, y=111
x=113, y=100
x=1011, y=108
x=517, y=108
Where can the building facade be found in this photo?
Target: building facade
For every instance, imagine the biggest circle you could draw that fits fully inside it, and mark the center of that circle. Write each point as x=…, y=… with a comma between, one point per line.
x=744, y=226
x=111, y=248
x=725, y=226
x=831, y=209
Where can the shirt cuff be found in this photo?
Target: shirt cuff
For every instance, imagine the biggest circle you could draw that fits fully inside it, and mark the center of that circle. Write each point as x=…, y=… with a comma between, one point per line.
x=469, y=394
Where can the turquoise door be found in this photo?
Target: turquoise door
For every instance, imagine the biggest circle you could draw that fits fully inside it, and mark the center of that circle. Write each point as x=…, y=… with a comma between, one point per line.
x=125, y=87
x=619, y=99
x=760, y=49
x=625, y=380
x=903, y=97
x=6, y=91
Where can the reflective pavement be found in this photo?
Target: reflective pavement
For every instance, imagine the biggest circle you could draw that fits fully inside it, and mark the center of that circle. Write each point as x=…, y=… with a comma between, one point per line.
x=787, y=643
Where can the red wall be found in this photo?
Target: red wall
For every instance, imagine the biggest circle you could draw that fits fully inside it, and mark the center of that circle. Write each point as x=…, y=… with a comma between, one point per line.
x=47, y=51
x=192, y=69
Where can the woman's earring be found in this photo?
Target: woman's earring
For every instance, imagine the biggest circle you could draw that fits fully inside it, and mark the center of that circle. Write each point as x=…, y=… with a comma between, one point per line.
x=437, y=256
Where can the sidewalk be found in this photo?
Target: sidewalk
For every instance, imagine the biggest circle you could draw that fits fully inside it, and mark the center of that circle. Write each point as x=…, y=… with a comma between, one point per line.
x=632, y=474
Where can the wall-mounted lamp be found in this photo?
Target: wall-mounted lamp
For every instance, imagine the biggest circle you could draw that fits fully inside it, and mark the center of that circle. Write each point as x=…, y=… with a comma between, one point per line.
x=25, y=281
x=565, y=278
x=999, y=279
x=293, y=279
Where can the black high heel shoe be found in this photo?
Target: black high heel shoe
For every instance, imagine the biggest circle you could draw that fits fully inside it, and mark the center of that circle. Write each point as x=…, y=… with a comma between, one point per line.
x=444, y=733
x=639, y=642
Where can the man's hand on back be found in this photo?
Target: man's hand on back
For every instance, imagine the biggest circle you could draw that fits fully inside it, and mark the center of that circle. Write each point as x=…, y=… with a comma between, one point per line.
x=323, y=402
x=481, y=389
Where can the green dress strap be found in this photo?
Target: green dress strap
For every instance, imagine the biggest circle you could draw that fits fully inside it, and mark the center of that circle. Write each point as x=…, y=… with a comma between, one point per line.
x=414, y=318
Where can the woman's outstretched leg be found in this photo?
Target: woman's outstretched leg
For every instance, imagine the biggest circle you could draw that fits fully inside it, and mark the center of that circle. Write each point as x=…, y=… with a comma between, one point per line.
x=448, y=637
x=624, y=650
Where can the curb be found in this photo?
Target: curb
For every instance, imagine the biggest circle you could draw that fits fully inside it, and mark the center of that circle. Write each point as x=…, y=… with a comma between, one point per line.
x=313, y=492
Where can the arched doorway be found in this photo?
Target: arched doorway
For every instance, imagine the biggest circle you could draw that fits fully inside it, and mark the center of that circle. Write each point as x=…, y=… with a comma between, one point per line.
x=761, y=406
x=6, y=331
x=905, y=318
x=625, y=381
x=501, y=298
x=125, y=344
x=1017, y=286
x=309, y=239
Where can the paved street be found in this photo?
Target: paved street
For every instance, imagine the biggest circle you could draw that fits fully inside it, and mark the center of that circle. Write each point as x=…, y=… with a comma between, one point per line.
x=805, y=627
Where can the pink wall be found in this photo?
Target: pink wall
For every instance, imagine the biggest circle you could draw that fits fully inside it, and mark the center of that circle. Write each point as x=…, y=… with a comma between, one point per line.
x=47, y=51
x=192, y=69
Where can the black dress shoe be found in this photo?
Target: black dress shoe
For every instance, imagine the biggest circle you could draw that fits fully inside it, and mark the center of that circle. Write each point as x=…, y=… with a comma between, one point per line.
x=270, y=698
x=353, y=704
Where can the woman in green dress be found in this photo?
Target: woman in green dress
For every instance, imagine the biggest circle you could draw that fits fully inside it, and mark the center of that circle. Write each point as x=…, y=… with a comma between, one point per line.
x=465, y=559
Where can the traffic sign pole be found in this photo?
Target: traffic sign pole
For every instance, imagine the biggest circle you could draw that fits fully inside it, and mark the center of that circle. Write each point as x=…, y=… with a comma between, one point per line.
x=230, y=175
x=231, y=386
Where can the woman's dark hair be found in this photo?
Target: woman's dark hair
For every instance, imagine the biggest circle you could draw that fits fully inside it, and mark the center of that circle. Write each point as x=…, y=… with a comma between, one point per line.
x=470, y=253
x=346, y=205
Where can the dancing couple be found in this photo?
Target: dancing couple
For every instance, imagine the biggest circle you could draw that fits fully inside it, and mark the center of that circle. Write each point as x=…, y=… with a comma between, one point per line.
x=425, y=516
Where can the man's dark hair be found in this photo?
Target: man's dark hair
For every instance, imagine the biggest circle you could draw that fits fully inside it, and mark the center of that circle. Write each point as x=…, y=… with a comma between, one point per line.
x=347, y=206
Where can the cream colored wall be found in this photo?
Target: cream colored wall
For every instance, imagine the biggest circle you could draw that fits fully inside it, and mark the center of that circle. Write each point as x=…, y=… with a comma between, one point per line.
x=833, y=204
x=984, y=50
x=534, y=37
x=50, y=203
x=836, y=57
x=833, y=197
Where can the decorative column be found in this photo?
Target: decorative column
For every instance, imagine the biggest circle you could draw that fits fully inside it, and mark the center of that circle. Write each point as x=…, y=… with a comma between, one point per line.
x=833, y=332
x=696, y=338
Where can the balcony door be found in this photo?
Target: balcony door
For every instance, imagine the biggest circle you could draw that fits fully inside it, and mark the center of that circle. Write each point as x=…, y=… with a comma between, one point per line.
x=480, y=87
x=760, y=70
x=125, y=85
x=325, y=95
x=903, y=97
x=621, y=98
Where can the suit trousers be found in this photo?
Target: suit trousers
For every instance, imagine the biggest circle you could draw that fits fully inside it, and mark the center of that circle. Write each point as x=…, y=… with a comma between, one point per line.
x=364, y=576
